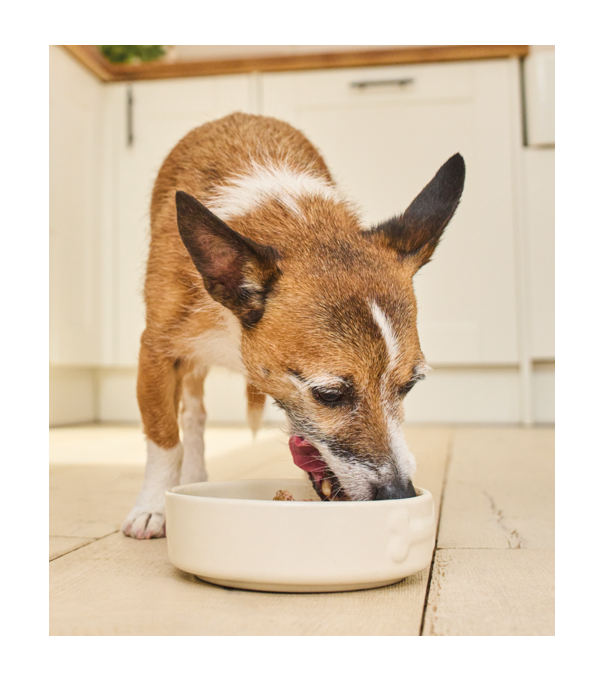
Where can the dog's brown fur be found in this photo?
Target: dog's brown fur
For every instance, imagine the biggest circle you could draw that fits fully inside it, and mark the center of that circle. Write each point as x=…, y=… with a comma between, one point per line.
x=177, y=305
x=316, y=272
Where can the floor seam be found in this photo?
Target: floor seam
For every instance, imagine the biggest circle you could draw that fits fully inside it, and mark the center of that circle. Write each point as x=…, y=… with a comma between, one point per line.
x=94, y=540
x=489, y=548
x=450, y=450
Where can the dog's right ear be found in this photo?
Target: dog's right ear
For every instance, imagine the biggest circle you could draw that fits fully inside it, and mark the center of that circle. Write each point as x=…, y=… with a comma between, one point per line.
x=237, y=272
x=415, y=234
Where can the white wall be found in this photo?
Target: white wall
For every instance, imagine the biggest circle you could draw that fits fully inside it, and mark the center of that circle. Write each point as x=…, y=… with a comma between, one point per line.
x=76, y=121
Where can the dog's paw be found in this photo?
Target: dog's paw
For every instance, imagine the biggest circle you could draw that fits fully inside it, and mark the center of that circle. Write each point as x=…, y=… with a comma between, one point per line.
x=141, y=524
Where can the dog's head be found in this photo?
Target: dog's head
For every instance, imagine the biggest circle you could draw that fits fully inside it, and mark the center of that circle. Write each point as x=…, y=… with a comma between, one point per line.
x=329, y=326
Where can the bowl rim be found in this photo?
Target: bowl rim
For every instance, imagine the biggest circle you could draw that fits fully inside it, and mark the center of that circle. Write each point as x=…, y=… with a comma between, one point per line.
x=425, y=495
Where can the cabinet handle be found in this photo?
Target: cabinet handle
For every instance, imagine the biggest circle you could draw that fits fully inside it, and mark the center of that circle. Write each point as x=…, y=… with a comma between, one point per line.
x=384, y=82
x=129, y=122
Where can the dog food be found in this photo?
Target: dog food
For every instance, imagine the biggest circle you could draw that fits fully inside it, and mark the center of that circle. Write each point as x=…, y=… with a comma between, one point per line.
x=285, y=495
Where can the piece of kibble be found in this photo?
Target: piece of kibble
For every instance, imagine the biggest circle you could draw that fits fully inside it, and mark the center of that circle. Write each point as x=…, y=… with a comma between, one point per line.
x=283, y=495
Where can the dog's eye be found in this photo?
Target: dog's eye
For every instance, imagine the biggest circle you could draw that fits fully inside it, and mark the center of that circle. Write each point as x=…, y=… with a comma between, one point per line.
x=403, y=390
x=328, y=396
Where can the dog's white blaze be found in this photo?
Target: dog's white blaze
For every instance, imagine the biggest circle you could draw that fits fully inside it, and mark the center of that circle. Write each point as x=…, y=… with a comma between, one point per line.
x=242, y=193
x=390, y=339
x=404, y=457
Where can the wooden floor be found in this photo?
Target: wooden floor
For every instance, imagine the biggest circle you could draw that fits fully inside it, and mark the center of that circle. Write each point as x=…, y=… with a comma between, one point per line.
x=492, y=574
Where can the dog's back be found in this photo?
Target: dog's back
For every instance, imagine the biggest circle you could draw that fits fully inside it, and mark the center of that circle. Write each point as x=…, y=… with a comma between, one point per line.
x=233, y=146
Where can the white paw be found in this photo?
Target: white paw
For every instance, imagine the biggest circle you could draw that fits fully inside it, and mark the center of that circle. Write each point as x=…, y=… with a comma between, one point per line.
x=147, y=520
x=141, y=524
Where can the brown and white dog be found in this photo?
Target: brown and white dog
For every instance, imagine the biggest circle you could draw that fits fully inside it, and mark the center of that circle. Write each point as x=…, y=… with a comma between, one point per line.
x=257, y=263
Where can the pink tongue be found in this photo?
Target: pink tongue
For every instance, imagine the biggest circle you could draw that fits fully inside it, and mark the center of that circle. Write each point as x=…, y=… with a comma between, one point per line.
x=307, y=457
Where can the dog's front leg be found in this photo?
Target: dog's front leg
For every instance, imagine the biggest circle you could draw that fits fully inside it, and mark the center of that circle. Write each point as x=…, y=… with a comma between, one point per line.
x=193, y=421
x=158, y=393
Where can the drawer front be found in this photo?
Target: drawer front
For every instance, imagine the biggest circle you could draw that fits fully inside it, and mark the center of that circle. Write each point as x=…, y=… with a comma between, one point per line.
x=376, y=85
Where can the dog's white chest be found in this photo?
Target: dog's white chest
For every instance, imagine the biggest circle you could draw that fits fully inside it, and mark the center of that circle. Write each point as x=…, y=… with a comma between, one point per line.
x=220, y=346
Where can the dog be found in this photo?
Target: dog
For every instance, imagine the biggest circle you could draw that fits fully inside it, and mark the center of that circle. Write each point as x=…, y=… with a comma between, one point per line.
x=257, y=263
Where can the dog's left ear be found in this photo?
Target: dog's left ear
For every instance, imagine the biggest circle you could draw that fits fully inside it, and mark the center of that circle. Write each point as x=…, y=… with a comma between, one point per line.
x=416, y=233
x=238, y=272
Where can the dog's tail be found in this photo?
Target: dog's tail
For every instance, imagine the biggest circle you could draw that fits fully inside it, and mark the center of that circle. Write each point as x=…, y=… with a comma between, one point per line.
x=256, y=405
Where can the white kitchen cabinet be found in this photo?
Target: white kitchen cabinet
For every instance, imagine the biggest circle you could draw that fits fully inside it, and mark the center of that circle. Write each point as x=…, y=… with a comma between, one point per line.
x=385, y=141
x=75, y=135
x=162, y=113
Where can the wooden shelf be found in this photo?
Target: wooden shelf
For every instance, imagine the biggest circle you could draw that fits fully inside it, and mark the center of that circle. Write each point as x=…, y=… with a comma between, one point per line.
x=91, y=58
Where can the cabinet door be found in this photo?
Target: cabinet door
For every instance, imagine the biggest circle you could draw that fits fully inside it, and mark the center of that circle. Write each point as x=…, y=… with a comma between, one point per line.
x=162, y=113
x=384, y=142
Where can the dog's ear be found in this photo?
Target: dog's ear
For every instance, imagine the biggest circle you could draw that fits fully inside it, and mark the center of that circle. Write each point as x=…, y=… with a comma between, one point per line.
x=237, y=272
x=416, y=233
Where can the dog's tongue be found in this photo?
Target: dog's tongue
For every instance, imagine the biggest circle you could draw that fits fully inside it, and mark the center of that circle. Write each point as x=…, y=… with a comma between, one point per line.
x=307, y=457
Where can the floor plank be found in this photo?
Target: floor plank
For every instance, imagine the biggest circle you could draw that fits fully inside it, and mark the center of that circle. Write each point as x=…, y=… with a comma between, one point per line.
x=91, y=500
x=119, y=586
x=431, y=447
x=493, y=592
x=500, y=489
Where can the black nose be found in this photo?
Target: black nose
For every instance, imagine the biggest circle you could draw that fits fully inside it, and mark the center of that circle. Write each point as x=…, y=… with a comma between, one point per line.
x=395, y=490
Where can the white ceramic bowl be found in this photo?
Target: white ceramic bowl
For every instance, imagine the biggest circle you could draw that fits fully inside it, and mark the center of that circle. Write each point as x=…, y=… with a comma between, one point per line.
x=235, y=535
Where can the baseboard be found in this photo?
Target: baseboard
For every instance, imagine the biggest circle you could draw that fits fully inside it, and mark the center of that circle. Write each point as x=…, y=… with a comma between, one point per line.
x=544, y=392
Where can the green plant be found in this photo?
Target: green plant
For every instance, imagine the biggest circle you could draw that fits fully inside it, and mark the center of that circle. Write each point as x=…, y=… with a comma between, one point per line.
x=123, y=54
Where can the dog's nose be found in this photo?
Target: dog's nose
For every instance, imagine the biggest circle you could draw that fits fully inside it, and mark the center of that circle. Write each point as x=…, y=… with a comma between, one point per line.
x=395, y=490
